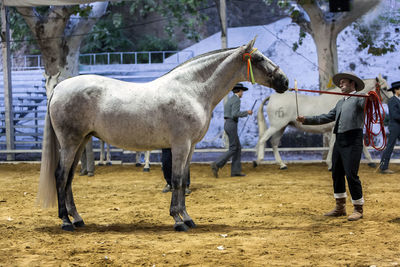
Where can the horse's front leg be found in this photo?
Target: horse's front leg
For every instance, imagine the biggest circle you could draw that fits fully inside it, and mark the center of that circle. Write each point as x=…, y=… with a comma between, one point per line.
x=330, y=151
x=180, y=155
x=367, y=155
x=185, y=216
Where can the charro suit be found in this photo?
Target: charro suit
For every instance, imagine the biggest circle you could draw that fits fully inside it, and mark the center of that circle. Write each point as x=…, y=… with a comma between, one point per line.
x=394, y=130
x=232, y=114
x=349, y=116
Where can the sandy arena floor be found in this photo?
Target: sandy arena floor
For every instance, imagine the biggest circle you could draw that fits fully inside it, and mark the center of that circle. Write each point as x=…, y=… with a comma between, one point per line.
x=268, y=218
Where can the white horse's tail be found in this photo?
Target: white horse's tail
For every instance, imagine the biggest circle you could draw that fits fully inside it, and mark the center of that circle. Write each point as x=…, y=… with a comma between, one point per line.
x=262, y=124
x=47, y=192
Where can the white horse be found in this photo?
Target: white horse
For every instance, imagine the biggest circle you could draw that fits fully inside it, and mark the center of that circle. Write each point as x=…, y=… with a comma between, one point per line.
x=180, y=104
x=281, y=110
x=106, y=157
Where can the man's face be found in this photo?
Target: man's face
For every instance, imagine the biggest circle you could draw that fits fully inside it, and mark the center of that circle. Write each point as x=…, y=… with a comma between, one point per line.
x=346, y=86
x=240, y=93
x=397, y=91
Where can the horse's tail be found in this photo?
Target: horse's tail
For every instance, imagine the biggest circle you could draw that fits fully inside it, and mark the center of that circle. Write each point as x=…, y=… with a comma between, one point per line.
x=47, y=192
x=262, y=124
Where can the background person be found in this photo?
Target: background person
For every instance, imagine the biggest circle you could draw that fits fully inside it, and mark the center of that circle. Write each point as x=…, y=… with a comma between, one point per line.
x=394, y=128
x=232, y=114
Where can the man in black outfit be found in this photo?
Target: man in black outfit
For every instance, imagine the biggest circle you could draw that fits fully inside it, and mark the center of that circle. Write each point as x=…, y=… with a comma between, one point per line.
x=349, y=116
x=394, y=128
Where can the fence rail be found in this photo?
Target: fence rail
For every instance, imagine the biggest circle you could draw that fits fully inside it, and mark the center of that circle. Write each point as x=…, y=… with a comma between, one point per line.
x=34, y=62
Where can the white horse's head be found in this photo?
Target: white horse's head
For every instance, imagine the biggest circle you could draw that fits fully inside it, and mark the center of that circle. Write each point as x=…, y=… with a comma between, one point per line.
x=385, y=93
x=51, y=82
x=275, y=78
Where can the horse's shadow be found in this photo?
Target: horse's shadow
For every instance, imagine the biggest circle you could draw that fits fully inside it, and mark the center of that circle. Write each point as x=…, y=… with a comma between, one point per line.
x=145, y=228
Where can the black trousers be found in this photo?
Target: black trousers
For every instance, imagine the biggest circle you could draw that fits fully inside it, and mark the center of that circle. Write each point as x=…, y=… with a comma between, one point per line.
x=346, y=158
x=235, y=149
x=394, y=134
x=166, y=161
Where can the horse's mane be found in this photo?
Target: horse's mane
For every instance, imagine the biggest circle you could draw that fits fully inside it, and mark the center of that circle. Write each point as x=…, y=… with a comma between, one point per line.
x=200, y=56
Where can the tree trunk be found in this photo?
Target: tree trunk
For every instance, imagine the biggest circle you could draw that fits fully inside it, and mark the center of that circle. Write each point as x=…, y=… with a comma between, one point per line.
x=60, y=37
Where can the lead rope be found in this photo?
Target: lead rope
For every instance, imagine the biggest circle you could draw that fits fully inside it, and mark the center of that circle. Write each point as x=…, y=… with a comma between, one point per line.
x=247, y=57
x=374, y=114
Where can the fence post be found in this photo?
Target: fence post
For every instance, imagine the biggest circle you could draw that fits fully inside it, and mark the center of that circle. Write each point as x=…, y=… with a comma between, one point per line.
x=8, y=105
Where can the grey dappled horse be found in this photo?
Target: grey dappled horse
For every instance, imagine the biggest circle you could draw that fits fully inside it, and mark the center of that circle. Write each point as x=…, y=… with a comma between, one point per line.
x=180, y=105
x=281, y=110
x=105, y=155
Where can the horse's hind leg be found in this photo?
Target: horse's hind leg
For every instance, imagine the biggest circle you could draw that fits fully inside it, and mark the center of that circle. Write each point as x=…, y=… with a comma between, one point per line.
x=260, y=148
x=108, y=160
x=275, y=139
x=63, y=172
x=70, y=204
x=101, y=161
x=146, y=167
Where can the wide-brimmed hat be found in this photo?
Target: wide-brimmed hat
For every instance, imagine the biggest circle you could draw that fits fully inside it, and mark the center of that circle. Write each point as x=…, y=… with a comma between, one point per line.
x=348, y=75
x=395, y=85
x=239, y=87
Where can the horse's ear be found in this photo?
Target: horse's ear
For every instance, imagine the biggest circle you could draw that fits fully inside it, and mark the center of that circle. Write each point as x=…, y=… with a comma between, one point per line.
x=250, y=45
x=58, y=74
x=380, y=76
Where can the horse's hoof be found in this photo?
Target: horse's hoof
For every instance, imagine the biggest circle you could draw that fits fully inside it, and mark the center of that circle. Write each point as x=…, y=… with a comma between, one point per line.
x=330, y=169
x=372, y=165
x=100, y=164
x=181, y=227
x=255, y=164
x=190, y=223
x=79, y=224
x=146, y=169
x=283, y=168
x=108, y=164
x=68, y=227
x=138, y=164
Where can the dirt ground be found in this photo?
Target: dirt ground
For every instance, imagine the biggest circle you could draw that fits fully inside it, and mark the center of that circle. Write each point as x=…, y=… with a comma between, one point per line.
x=268, y=218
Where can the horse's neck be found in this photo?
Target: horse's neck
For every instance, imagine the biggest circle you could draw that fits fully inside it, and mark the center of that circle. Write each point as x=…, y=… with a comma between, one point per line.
x=369, y=85
x=214, y=74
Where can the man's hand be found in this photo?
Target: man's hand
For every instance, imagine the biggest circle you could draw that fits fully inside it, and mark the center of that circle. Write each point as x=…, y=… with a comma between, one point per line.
x=250, y=112
x=300, y=119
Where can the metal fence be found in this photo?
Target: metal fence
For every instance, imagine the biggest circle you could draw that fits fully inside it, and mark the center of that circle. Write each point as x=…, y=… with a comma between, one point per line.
x=33, y=62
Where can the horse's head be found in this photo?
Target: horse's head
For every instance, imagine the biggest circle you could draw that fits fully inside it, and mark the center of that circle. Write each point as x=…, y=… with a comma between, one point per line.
x=265, y=71
x=51, y=82
x=385, y=93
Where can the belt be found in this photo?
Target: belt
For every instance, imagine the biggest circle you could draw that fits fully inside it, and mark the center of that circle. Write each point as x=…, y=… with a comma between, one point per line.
x=227, y=118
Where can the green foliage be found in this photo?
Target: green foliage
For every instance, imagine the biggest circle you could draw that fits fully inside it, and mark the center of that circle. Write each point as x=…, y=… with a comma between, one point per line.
x=152, y=43
x=19, y=31
x=373, y=37
x=106, y=37
x=179, y=13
